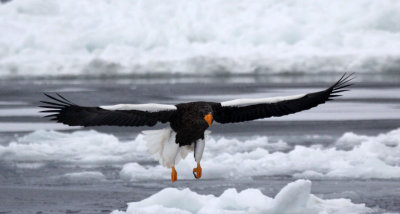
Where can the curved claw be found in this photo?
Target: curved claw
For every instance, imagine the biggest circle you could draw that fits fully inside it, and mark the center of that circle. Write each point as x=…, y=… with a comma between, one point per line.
x=197, y=171
x=174, y=174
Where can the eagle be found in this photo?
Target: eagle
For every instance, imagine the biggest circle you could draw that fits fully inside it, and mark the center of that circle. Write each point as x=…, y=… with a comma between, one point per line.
x=188, y=122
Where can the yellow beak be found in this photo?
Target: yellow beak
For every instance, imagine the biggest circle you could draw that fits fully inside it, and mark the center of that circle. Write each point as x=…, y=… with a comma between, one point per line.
x=209, y=119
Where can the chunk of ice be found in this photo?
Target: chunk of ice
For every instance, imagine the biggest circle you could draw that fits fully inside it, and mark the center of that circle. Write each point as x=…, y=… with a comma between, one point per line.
x=295, y=197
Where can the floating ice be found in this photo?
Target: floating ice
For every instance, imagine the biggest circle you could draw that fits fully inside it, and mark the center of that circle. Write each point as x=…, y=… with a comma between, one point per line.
x=295, y=197
x=80, y=147
x=351, y=156
x=102, y=37
x=85, y=177
x=362, y=157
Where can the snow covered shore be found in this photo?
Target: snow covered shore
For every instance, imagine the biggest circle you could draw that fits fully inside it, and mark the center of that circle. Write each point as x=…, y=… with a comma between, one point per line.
x=111, y=38
x=295, y=197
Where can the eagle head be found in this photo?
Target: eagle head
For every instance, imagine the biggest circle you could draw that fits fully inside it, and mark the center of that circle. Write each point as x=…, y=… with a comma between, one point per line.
x=206, y=113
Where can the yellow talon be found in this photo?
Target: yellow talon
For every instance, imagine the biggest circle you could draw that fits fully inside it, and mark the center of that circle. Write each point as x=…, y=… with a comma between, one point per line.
x=174, y=174
x=197, y=171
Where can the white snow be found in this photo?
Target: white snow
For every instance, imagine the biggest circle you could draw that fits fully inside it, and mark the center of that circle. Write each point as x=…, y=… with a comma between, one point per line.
x=149, y=107
x=351, y=156
x=295, y=197
x=103, y=37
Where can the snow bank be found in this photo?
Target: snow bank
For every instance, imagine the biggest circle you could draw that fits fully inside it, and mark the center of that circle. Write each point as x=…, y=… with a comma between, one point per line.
x=103, y=37
x=351, y=156
x=295, y=197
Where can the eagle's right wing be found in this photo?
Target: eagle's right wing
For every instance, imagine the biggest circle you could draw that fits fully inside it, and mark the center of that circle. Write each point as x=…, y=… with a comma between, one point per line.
x=241, y=110
x=62, y=110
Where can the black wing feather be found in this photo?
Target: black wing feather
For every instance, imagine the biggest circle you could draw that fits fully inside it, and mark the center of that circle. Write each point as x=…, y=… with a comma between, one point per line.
x=64, y=111
x=232, y=114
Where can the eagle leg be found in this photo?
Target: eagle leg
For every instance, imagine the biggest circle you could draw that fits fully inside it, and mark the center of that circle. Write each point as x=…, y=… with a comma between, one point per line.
x=198, y=154
x=174, y=174
x=197, y=171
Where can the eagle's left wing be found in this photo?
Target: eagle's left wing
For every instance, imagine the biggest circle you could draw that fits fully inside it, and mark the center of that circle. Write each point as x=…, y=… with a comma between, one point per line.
x=64, y=111
x=241, y=110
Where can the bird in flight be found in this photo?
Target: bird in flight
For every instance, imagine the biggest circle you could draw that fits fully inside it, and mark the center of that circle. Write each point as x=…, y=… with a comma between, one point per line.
x=188, y=121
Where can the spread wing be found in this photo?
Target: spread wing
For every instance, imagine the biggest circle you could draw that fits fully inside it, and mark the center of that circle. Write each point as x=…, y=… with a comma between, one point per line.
x=250, y=109
x=64, y=111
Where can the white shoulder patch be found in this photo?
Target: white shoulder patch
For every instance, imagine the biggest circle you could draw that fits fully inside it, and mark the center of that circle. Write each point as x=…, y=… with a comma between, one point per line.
x=150, y=107
x=248, y=102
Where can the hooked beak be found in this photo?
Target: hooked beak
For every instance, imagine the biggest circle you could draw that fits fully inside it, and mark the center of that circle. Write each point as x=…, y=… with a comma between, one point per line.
x=209, y=119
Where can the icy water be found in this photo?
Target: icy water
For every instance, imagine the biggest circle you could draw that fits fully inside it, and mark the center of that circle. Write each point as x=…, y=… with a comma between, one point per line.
x=348, y=148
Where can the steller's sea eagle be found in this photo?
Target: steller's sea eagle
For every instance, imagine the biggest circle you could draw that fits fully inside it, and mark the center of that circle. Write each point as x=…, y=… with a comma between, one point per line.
x=188, y=121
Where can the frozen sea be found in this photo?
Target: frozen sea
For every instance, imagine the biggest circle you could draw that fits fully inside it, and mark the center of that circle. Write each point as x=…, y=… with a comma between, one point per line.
x=348, y=149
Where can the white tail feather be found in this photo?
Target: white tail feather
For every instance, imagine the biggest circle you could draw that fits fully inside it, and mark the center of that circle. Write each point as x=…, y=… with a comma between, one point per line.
x=161, y=144
x=155, y=140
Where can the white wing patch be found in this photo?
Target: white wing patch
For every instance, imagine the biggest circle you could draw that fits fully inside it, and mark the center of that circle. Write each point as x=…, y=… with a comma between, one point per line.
x=248, y=102
x=150, y=107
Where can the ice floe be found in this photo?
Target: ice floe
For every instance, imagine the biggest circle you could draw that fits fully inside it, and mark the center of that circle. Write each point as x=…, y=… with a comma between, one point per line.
x=295, y=197
x=351, y=156
x=85, y=177
x=80, y=147
x=362, y=157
